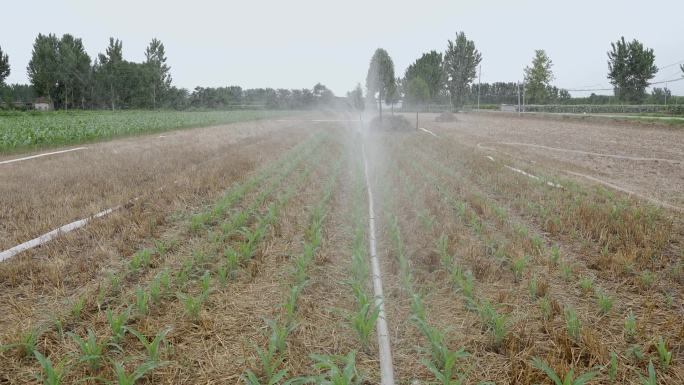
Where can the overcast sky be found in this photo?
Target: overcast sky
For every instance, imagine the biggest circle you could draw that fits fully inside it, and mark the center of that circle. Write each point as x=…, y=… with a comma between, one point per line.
x=296, y=43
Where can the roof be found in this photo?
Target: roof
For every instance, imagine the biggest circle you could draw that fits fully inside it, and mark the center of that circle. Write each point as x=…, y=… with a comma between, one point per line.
x=42, y=100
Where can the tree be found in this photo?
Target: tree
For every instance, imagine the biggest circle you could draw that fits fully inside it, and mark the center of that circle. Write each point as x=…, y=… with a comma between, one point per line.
x=159, y=71
x=538, y=78
x=4, y=67
x=73, y=69
x=355, y=98
x=111, y=64
x=380, y=78
x=630, y=67
x=460, y=63
x=322, y=95
x=429, y=69
x=417, y=93
x=393, y=93
x=43, y=66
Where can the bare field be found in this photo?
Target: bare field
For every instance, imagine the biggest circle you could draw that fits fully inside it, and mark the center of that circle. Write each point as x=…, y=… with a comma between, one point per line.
x=252, y=266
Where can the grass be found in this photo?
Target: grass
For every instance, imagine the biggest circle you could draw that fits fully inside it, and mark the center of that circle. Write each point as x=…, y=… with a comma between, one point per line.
x=23, y=131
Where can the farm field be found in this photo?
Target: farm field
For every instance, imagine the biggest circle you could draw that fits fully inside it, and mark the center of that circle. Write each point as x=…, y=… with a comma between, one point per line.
x=241, y=255
x=25, y=131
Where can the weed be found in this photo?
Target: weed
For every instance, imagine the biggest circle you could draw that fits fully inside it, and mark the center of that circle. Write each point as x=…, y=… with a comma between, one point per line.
x=664, y=354
x=91, y=350
x=155, y=347
x=568, y=379
x=605, y=303
x=573, y=324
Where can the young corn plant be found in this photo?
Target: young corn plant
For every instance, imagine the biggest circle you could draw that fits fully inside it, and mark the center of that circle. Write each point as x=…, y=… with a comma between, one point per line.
x=333, y=373
x=155, y=347
x=448, y=373
x=91, y=350
x=28, y=343
x=586, y=284
x=568, y=379
x=232, y=262
x=125, y=378
x=205, y=284
x=192, y=305
x=554, y=257
x=664, y=354
x=117, y=324
x=142, y=304
x=613, y=367
x=546, y=308
x=566, y=271
x=77, y=308
x=290, y=305
x=518, y=267
x=52, y=374
x=364, y=318
x=605, y=303
x=271, y=358
x=630, y=326
x=651, y=379
x=573, y=324
x=445, y=258
x=533, y=287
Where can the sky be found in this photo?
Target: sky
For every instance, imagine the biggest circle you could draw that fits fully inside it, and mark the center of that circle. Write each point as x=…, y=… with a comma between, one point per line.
x=297, y=43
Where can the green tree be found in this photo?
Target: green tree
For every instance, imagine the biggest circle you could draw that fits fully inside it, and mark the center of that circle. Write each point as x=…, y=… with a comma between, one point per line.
x=538, y=78
x=460, y=64
x=630, y=67
x=417, y=93
x=159, y=71
x=394, y=93
x=428, y=68
x=355, y=98
x=322, y=95
x=43, y=66
x=380, y=78
x=4, y=67
x=111, y=69
x=73, y=69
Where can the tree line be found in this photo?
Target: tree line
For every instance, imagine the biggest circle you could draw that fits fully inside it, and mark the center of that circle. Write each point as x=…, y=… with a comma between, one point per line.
x=61, y=71
x=449, y=78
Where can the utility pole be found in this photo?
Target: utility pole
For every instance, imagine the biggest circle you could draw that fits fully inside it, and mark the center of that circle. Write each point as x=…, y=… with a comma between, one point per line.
x=479, y=82
x=523, y=97
x=518, y=98
x=665, y=93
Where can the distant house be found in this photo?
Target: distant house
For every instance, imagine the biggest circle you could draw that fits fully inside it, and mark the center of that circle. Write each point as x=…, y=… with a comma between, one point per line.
x=42, y=104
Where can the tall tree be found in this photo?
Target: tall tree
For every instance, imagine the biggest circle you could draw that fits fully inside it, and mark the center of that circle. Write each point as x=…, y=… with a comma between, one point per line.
x=538, y=78
x=322, y=95
x=380, y=78
x=73, y=68
x=43, y=68
x=460, y=64
x=111, y=69
x=630, y=68
x=355, y=98
x=4, y=67
x=159, y=71
x=393, y=93
x=417, y=93
x=429, y=68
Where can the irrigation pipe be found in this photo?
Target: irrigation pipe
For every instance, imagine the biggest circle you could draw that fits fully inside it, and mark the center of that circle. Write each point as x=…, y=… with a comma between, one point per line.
x=384, y=349
x=428, y=131
x=41, y=155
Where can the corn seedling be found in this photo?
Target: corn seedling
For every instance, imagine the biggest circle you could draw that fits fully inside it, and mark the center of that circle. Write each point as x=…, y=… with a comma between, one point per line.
x=141, y=301
x=155, y=290
x=647, y=278
x=613, y=367
x=532, y=287
x=232, y=262
x=518, y=267
x=651, y=379
x=566, y=271
x=635, y=353
x=52, y=374
x=546, y=308
x=155, y=347
x=91, y=349
x=222, y=274
x=364, y=318
x=333, y=374
x=117, y=324
x=290, y=305
x=125, y=378
x=605, y=303
x=447, y=372
x=444, y=256
x=192, y=305
x=77, y=307
x=271, y=358
x=664, y=354
x=586, y=284
x=568, y=379
x=27, y=344
x=554, y=257
x=630, y=326
x=573, y=324
x=464, y=281
x=205, y=284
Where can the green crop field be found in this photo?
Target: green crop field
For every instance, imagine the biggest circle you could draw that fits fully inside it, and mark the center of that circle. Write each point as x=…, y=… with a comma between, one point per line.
x=19, y=131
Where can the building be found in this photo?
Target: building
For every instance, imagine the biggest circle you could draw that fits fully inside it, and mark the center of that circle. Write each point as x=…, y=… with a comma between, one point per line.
x=42, y=104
